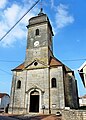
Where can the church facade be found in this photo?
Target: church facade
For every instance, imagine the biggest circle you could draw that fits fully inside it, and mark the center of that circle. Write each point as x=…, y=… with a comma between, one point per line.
x=42, y=84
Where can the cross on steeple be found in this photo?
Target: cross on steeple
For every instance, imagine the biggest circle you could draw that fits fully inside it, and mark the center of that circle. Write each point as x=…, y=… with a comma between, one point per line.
x=41, y=9
x=41, y=4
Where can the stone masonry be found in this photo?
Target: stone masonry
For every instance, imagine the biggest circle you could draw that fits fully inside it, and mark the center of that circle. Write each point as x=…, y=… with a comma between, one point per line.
x=42, y=83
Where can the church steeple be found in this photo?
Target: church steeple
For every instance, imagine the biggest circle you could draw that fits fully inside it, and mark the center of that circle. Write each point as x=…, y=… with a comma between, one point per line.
x=41, y=12
x=41, y=8
x=39, y=42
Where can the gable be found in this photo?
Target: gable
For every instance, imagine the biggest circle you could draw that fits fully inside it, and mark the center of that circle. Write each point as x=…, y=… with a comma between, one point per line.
x=36, y=64
x=82, y=73
x=82, y=66
x=54, y=62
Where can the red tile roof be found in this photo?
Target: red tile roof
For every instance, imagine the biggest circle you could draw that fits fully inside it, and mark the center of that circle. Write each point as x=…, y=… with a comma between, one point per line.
x=55, y=62
x=3, y=94
x=20, y=67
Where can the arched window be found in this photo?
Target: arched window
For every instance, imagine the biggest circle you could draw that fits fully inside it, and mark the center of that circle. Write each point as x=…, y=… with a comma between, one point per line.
x=18, y=84
x=53, y=82
x=37, y=31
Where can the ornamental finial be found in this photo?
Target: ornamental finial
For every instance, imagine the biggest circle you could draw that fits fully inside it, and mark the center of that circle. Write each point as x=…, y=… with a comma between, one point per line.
x=41, y=9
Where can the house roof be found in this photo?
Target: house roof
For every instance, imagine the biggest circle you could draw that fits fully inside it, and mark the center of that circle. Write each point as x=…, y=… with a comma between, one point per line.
x=3, y=94
x=83, y=96
x=81, y=73
x=82, y=66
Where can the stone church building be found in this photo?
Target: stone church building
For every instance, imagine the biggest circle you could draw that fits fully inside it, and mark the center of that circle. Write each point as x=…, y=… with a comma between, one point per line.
x=42, y=83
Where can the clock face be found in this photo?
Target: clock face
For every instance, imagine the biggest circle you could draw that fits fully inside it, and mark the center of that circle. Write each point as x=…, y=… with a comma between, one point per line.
x=32, y=39
x=36, y=43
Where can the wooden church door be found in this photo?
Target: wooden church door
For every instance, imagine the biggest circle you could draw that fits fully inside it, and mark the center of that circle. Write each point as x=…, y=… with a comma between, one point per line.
x=34, y=101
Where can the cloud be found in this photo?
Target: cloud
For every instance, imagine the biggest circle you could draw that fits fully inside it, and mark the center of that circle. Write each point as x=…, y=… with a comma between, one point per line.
x=63, y=18
x=9, y=16
x=2, y=3
x=52, y=4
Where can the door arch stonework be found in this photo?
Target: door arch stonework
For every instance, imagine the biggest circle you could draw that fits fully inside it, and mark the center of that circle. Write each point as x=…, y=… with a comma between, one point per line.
x=33, y=92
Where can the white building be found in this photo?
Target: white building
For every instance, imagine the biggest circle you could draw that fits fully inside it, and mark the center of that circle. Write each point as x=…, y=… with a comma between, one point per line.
x=4, y=102
x=82, y=101
x=82, y=73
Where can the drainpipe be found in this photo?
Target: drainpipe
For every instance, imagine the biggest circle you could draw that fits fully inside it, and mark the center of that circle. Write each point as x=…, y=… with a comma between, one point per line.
x=25, y=98
x=49, y=88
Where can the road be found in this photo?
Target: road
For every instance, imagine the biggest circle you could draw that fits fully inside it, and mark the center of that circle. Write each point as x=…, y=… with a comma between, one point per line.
x=40, y=117
x=7, y=118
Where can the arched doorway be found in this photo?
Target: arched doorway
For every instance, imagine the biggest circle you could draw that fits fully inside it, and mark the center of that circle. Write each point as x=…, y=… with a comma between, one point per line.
x=34, y=101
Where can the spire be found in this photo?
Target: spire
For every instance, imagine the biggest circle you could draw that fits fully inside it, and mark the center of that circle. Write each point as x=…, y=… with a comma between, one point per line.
x=41, y=12
x=41, y=9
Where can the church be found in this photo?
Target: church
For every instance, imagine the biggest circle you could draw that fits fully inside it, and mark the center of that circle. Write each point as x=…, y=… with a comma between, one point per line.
x=42, y=83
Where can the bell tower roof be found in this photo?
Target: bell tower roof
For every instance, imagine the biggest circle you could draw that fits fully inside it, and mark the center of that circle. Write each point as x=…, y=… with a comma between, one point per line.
x=39, y=19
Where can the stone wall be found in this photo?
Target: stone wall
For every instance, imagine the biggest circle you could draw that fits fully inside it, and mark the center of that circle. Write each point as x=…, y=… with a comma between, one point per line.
x=57, y=94
x=71, y=94
x=73, y=114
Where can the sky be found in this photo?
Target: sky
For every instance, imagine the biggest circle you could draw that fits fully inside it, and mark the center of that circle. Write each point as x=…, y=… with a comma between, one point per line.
x=68, y=20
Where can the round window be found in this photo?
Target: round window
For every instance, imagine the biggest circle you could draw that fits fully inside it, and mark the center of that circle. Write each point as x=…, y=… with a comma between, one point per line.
x=35, y=63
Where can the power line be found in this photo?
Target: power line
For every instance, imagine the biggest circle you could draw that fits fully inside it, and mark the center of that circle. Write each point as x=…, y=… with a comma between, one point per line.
x=5, y=71
x=74, y=59
x=9, y=61
x=18, y=21
x=19, y=61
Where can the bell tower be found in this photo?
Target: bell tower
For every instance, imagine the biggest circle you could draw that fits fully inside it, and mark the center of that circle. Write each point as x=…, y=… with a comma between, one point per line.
x=39, y=40
x=42, y=82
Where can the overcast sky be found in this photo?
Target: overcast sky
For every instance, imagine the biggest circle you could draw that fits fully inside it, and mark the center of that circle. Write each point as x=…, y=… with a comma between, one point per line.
x=68, y=21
